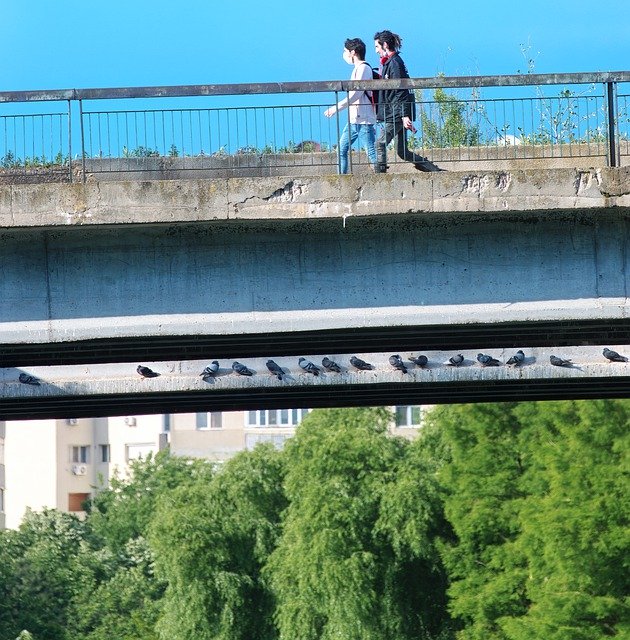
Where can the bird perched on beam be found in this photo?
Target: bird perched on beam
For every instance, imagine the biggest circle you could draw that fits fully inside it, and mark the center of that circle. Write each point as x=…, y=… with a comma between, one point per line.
x=145, y=372
x=487, y=361
x=25, y=378
x=560, y=362
x=420, y=360
x=362, y=365
x=397, y=363
x=275, y=369
x=308, y=366
x=456, y=361
x=241, y=369
x=613, y=356
x=517, y=359
x=330, y=365
x=210, y=370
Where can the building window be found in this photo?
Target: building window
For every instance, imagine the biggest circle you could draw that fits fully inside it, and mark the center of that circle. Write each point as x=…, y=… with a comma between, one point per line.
x=275, y=417
x=408, y=416
x=76, y=501
x=1, y=500
x=106, y=454
x=167, y=422
x=252, y=439
x=137, y=451
x=80, y=454
x=212, y=420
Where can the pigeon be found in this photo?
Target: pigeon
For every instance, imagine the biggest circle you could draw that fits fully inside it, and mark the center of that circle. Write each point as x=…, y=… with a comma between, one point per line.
x=24, y=378
x=360, y=364
x=457, y=360
x=397, y=363
x=276, y=369
x=517, y=359
x=241, y=369
x=613, y=356
x=145, y=372
x=210, y=370
x=308, y=366
x=330, y=365
x=487, y=361
x=559, y=362
x=420, y=361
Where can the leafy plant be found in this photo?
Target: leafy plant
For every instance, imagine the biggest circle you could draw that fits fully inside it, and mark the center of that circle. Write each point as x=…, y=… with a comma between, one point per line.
x=446, y=122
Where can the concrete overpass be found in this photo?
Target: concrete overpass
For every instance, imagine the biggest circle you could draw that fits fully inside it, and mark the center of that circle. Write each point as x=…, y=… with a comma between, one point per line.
x=189, y=270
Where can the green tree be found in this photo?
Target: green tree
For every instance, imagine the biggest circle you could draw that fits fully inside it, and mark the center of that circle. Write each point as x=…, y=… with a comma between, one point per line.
x=413, y=522
x=120, y=595
x=537, y=497
x=39, y=574
x=342, y=569
x=211, y=541
x=446, y=124
x=483, y=496
x=576, y=536
x=124, y=511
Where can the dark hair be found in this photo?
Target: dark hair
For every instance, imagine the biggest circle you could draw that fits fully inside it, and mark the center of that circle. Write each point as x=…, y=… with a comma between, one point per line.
x=357, y=45
x=393, y=40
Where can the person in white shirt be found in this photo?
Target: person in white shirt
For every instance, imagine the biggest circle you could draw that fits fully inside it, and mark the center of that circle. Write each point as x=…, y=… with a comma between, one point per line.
x=362, y=117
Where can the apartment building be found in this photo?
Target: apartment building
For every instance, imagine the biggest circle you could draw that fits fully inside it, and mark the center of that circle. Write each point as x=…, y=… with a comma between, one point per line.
x=218, y=436
x=61, y=463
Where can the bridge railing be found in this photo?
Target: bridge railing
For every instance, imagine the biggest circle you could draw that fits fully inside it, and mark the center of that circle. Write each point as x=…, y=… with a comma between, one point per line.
x=277, y=128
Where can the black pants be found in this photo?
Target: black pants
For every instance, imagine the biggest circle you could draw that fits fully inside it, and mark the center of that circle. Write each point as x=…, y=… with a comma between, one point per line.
x=390, y=130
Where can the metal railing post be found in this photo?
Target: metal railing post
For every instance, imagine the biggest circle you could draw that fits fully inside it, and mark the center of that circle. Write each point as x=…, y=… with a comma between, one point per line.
x=82, y=139
x=70, y=139
x=349, y=133
x=338, y=134
x=612, y=129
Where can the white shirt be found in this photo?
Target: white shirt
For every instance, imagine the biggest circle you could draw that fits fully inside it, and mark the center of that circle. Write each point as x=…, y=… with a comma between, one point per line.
x=361, y=108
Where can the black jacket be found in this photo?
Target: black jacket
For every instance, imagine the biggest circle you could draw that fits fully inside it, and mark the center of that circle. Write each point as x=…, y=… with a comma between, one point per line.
x=395, y=103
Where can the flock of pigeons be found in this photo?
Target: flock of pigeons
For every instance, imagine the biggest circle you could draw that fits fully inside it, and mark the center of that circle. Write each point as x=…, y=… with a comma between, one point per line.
x=395, y=361
x=331, y=366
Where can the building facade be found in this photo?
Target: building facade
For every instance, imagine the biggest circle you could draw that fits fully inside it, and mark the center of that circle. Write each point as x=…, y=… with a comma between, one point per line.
x=61, y=463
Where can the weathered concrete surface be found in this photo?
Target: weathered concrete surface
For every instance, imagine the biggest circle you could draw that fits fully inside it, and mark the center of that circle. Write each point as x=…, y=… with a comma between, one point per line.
x=129, y=202
x=76, y=391
x=129, y=259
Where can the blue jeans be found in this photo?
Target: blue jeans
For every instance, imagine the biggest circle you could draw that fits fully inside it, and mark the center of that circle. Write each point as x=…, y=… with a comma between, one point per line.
x=366, y=133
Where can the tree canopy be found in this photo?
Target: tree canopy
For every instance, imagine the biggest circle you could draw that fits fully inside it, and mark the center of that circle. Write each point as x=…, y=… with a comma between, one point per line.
x=498, y=522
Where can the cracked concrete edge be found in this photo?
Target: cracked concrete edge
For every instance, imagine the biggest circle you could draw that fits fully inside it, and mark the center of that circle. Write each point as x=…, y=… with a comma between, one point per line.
x=143, y=202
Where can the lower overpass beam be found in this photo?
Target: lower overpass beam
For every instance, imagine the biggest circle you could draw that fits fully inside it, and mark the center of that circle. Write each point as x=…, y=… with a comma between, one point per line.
x=115, y=389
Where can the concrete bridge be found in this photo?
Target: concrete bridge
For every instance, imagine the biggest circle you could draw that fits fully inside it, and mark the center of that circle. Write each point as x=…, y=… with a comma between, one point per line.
x=187, y=270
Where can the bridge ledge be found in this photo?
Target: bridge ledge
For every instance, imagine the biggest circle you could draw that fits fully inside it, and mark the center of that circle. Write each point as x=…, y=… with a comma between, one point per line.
x=275, y=199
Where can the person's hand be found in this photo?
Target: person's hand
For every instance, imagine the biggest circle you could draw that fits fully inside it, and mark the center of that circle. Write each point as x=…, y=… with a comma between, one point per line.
x=329, y=113
x=407, y=124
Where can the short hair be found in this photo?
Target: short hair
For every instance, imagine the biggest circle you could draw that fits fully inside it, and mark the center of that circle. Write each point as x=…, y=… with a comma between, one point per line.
x=357, y=45
x=393, y=40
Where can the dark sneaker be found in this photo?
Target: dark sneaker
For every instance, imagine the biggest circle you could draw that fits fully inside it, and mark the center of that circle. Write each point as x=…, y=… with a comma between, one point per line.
x=427, y=165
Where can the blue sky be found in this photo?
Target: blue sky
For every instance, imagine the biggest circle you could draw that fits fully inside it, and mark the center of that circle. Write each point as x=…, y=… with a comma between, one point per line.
x=74, y=44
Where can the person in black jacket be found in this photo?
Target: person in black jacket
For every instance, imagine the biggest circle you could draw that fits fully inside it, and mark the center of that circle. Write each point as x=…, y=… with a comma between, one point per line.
x=396, y=107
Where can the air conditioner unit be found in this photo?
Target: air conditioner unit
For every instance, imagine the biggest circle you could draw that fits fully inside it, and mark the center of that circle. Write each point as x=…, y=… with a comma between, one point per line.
x=79, y=469
x=130, y=421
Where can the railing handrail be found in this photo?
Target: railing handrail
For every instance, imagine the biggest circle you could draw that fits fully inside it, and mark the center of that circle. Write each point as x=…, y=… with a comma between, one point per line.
x=445, y=82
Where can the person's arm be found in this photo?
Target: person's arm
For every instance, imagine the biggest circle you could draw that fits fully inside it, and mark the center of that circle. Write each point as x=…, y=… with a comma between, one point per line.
x=353, y=96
